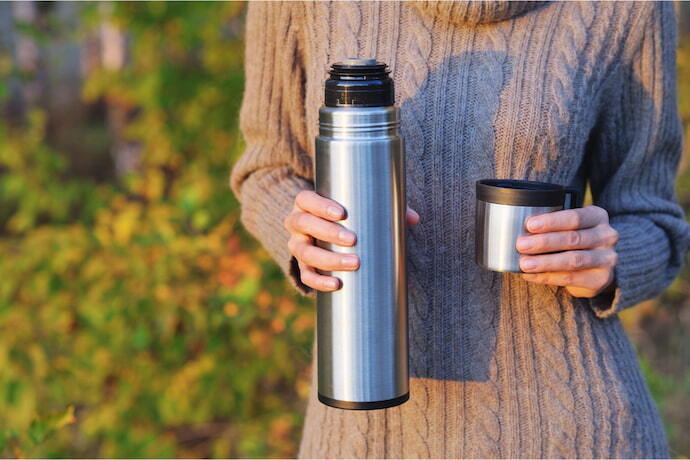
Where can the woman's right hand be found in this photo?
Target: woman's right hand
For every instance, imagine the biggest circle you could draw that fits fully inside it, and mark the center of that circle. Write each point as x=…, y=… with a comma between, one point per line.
x=315, y=217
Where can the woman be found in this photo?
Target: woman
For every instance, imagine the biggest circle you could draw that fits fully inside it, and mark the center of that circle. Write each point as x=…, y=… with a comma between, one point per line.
x=502, y=365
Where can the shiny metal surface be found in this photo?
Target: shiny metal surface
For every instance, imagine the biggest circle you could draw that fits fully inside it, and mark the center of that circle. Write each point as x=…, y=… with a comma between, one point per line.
x=362, y=328
x=358, y=123
x=358, y=61
x=497, y=230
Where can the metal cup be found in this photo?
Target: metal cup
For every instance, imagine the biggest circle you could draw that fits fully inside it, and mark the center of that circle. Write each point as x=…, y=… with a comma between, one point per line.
x=502, y=207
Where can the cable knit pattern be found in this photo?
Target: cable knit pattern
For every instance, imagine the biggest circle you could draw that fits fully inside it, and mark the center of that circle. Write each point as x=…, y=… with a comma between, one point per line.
x=415, y=60
x=460, y=12
x=345, y=30
x=573, y=93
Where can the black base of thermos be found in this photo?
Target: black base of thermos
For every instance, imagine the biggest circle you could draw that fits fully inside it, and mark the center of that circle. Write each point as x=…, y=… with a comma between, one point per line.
x=368, y=405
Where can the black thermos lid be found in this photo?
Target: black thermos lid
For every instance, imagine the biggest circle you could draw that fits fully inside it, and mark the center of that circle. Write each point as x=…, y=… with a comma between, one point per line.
x=359, y=82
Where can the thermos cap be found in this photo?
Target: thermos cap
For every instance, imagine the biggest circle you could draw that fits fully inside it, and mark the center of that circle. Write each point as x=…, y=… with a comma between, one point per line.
x=520, y=192
x=359, y=82
x=357, y=62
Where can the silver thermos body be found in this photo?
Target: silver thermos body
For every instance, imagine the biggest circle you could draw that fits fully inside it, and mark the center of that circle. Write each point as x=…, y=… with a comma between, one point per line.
x=362, y=345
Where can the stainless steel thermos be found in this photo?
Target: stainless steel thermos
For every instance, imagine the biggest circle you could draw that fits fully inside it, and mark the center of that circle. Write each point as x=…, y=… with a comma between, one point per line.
x=502, y=207
x=362, y=349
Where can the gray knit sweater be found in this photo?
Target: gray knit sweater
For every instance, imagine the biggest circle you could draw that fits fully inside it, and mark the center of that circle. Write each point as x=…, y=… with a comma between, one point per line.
x=571, y=93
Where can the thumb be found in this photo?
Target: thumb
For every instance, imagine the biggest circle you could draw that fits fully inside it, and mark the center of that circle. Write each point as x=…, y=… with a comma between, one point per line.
x=412, y=217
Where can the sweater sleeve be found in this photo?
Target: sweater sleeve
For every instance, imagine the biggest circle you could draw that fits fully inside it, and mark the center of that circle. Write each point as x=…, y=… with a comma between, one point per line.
x=275, y=165
x=633, y=166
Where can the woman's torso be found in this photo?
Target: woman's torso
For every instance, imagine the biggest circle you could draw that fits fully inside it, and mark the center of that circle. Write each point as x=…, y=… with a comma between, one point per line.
x=499, y=367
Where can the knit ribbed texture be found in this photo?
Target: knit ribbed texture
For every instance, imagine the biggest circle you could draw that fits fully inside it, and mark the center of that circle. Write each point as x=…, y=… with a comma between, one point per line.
x=558, y=92
x=482, y=12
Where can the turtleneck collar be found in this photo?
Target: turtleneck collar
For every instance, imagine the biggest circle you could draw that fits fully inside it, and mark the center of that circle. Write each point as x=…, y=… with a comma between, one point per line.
x=476, y=12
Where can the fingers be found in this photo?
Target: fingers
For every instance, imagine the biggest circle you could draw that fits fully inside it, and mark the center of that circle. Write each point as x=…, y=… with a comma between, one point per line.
x=304, y=251
x=586, y=264
x=313, y=217
x=593, y=280
x=314, y=280
x=600, y=236
x=568, y=261
x=324, y=230
x=411, y=217
x=570, y=219
x=313, y=203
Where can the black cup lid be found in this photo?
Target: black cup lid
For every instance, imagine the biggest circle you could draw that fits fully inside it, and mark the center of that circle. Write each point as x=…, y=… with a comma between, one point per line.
x=520, y=192
x=359, y=82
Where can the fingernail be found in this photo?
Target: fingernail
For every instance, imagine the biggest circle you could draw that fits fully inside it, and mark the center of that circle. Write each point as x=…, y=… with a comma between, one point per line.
x=535, y=223
x=523, y=244
x=333, y=284
x=528, y=264
x=334, y=212
x=350, y=261
x=346, y=237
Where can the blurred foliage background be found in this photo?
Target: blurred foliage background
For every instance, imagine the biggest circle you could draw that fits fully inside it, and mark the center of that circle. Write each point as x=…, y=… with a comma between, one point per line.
x=137, y=319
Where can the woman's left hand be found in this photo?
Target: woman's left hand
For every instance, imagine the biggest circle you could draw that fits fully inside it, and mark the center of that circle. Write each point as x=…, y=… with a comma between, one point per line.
x=585, y=267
